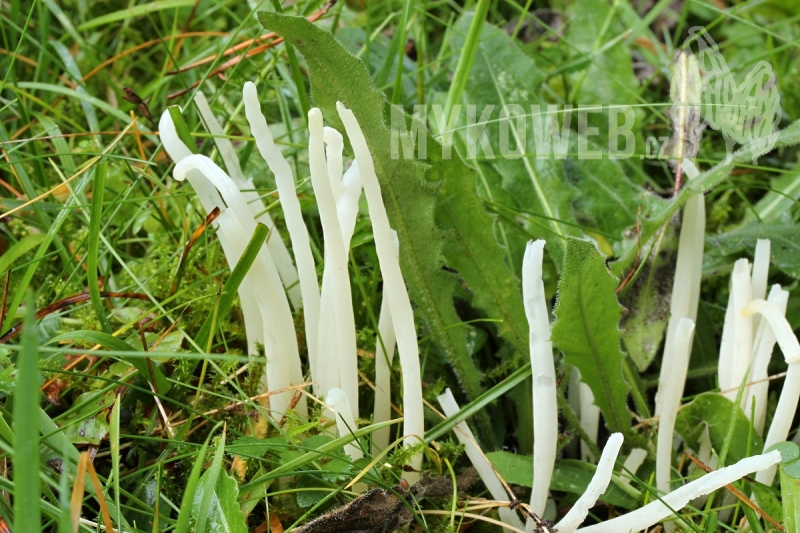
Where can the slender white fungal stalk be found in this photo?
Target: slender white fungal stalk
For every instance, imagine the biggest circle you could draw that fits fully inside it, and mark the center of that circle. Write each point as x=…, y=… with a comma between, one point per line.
x=658, y=510
x=725, y=366
x=742, y=327
x=688, y=271
x=762, y=350
x=393, y=287
x=632, y=463
x=590, y=420
x=334, y=145
x=787, y=403
x=337, y=302
x=210, y=199
x=384, y=355
x=338, y=401
x=347, y=203
x=545, y=407
x=283, y=364
x=284, y=180
x=280, y=254
x=485, y=469
x=597, y=486
x=672, y=391
x=761, y=269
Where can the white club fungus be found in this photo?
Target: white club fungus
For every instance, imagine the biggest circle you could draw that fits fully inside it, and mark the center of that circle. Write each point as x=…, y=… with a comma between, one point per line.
x=672, y=391
x=277, y=248
x=337, y=324
x=306, y=270
x=394, y=289
x=545, y=406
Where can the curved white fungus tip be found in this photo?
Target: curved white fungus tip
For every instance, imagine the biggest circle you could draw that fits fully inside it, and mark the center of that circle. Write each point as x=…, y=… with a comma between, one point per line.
x=658, y=510
x=597, y=486
x=780, y=326
x=332, y=137
x=170, y=139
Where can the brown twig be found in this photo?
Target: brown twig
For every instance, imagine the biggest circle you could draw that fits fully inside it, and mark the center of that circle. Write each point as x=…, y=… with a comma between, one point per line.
x=273, y=38
x=5, y=299
x=66, y=302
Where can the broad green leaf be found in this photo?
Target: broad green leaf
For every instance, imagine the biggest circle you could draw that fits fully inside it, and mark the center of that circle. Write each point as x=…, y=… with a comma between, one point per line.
x=586, y=329
x=568, y=476
x=608, y=77
x=503, y=75
x=779, y=203
x=784, y=248
x=214, y=504
x=647, y=298
x=712, y=410
x=609, y=201
x=224, y=514
x=434, y=207
x=790, y=488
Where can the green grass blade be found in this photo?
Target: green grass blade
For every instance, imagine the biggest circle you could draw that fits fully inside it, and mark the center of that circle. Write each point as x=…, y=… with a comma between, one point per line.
x=208, y=494
x=233, y=282
x=94, y=245
x=461, y=75
x=19, y=249
x=136, y=11
x=479, y=403
x=185, y=513
x=27, y=514
x=114, y=434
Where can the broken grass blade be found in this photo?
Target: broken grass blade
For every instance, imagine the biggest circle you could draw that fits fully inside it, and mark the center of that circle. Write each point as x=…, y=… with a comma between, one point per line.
x=233, y=282
x=485, y=469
